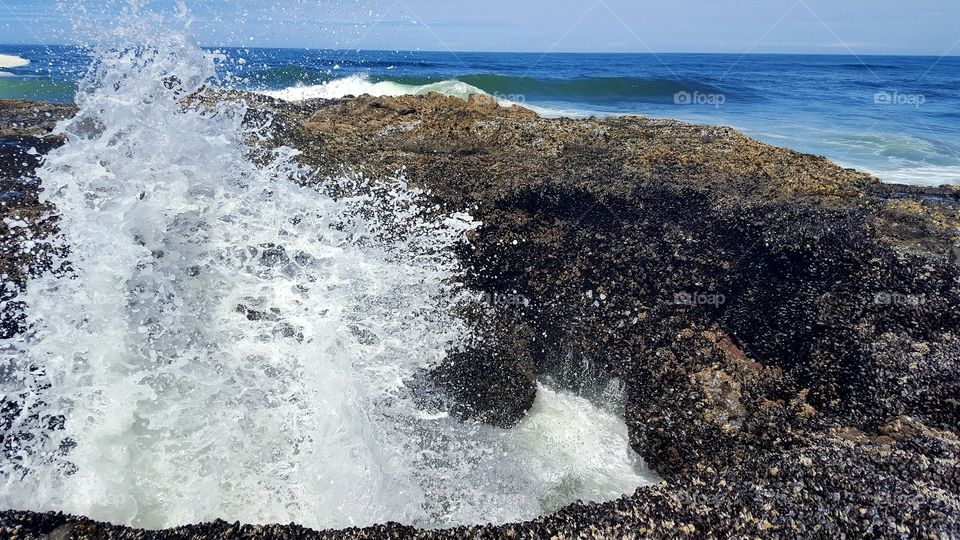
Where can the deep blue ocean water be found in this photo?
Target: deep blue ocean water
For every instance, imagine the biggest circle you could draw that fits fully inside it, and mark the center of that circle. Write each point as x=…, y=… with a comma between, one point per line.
x=895, y=116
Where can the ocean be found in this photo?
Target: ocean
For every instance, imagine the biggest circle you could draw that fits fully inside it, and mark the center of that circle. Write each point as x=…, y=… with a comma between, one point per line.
x=897, y=117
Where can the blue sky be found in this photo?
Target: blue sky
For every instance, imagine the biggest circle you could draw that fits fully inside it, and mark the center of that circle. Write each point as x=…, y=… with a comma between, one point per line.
x=930, y=27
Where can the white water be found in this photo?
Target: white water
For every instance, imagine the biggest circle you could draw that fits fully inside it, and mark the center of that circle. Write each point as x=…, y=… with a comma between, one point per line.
x=358, y=85
x=231, y=345
x=9, y=61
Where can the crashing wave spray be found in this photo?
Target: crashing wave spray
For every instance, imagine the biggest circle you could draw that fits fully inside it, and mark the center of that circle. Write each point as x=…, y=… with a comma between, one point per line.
x=225, y=343
x=225, y=337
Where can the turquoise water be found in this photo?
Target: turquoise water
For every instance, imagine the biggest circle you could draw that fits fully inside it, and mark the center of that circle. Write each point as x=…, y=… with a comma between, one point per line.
x=896, y=117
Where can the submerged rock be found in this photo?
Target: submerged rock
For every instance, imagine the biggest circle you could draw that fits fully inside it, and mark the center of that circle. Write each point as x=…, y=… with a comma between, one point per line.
x=787, y=329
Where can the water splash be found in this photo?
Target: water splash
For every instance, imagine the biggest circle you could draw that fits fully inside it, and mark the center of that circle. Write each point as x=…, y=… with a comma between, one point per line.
x=224, y=343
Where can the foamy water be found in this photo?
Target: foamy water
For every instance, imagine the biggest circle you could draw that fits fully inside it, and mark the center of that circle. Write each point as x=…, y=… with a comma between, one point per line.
x=228, y=344
x=358, y=85
x=8, y=61
x=922, y=175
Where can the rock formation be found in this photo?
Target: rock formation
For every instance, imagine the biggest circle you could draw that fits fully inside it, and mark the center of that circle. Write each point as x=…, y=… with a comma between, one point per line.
x=787, y=329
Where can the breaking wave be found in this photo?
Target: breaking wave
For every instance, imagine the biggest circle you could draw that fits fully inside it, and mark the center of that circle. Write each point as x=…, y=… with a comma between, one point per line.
x=8, y=61
x=357, y=85
x=510, y=89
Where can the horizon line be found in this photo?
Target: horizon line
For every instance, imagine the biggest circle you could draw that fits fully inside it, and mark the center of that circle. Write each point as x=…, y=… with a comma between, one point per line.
x=548, y=53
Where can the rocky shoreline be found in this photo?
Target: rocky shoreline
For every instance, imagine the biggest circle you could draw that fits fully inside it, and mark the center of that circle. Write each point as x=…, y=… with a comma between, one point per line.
x=787, y=329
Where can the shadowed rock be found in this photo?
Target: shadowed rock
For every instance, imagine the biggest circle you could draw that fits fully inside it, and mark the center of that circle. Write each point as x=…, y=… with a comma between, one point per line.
x=488, y=385
x=492, y=380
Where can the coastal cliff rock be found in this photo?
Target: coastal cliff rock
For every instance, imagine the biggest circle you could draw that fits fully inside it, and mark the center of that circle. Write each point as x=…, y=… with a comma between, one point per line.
x=787, y=329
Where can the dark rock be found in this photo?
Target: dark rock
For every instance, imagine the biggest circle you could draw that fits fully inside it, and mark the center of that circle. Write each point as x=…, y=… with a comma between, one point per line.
x=486, y=384
x=24, y=119
x=492, y=378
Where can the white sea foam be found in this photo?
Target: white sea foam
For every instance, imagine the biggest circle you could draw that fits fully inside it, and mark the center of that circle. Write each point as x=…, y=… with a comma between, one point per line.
x=227, y=336
x=919, y=175
x=895, y=158
x=9, y=61
x=229, y=344
x=899, y=158
x=358, y=85
x=584, y=450
x=559, y=112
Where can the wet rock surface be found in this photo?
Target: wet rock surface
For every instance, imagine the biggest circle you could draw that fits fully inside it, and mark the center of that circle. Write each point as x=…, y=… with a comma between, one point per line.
x=493, y=378
x=24, y=139
x=787, y=329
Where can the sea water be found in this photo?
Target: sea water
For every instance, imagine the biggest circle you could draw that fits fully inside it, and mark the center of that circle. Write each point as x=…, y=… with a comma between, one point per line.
x=895, y=116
